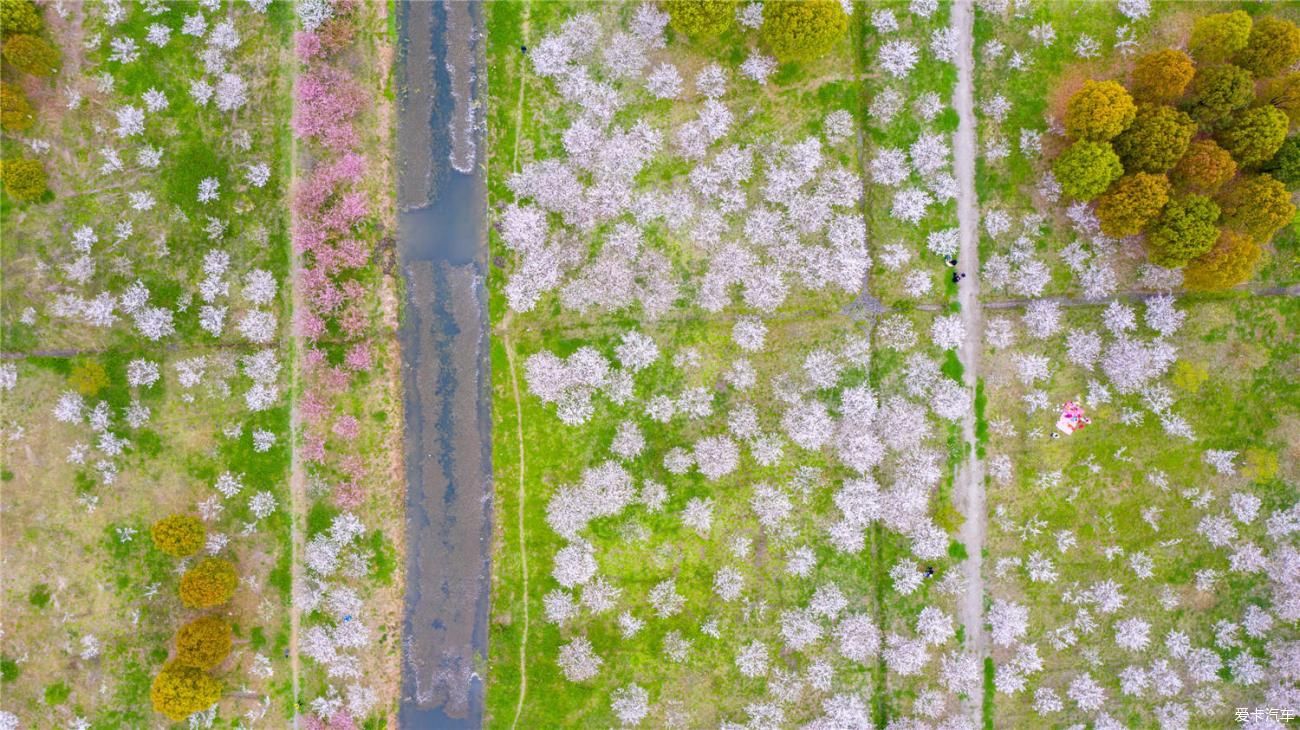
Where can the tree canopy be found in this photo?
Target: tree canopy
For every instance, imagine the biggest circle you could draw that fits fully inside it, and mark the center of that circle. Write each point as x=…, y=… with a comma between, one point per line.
x=30, y=54
x=1205, y=167
x=23, y=180
x=1162, y=76
x=1156, y=139
x=1283, y=92
x=210, y=583
x=1219, y=36
x=1131, y=203
x=19, y=16
x=1099, y=110
x=1257, y=205
x=15, y=113
x=1273, y=47
x=178, y=535
x=203, y=643
x=179, y=691
x=700, y=17
x=1184, y=230
x=1230, y=262
x=1085, y=169
x=1285, y=165
x=1219, y=91
x=797, y=30
x=1254, y=135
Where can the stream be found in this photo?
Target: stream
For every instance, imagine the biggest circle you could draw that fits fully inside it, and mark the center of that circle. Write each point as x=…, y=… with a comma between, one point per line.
x=443, y=203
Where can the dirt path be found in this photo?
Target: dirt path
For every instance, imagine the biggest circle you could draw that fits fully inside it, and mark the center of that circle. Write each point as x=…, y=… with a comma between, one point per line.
x=523, y=545
x=1131, y=295
x=969, y=484
x=519, y=423
x=297, y=476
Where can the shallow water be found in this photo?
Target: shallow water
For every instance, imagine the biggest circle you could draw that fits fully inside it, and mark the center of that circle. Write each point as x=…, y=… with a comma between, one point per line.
x=445, y=361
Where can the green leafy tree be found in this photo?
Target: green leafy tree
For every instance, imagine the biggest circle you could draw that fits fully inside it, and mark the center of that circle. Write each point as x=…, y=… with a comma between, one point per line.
x=1086, y=169
x=15, y=113
x=1230, y=262
x=1273, y=47
x=19, y=16
x=700, y=18
x=1219, y=36
x=1099, y=110
x=1184, y=230
x=1205, y=167
x=1162, y=76
x=1258, y=206
x=1284, y=93
x=1254, y=135
x=800, y=30
x=179, y=691
x=23, y=179
x=1285, y=165
x=210, y=583
x=30, y=54
x=1131, y=203
x=1156, y=139
x=178, y=535
x=1217, y=92
x=203, y=643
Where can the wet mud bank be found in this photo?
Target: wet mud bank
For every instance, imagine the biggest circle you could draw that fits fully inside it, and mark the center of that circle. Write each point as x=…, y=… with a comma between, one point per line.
x=442, y=251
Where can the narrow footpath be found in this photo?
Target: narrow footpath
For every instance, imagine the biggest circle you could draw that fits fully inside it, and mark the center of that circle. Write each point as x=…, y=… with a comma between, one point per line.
x=969, y=484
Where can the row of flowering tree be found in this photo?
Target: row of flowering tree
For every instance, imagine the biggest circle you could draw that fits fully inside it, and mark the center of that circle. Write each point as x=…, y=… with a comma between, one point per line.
x=334, y=238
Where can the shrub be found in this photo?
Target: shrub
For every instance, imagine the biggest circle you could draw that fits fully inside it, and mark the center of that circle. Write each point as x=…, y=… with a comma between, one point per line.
x=19, y=16
x=30, y=54
x=1219, y=36
x=1131, y=203
x=40, y=595
x=1189, y=376
x=57, y=693
x=1219, y=91
x=9, y=669
x=1285, y=165
x=1261, y=464
x=1205, y=167
x=178, y=535
x=203, y=643
x=23, y=179
x=1254, y=135
x=1162, y=76
x=798, y=30
x=700, y=17
x=180, y=691
x=1273, y=47
x=1086, y=169
x=1185, y=229
x=1258, y=206
x=1231, y=262
x=1156, y=139
x=1099, y=111
x=210, y=583
x=15, y=113
x=88, y=377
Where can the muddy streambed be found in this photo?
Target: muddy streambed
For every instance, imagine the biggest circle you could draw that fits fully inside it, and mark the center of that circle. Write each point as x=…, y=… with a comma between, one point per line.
x=445, y=364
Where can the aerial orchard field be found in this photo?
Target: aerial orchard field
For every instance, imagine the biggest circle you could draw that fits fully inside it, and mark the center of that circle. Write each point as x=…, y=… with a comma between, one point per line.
x=176, y=197
x=897, y=364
